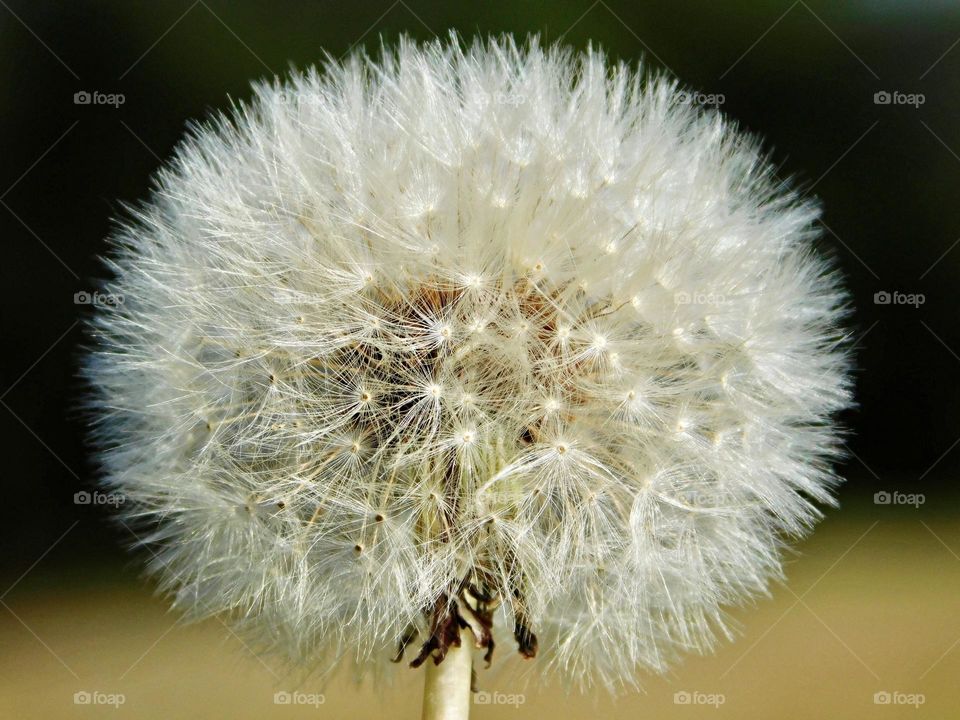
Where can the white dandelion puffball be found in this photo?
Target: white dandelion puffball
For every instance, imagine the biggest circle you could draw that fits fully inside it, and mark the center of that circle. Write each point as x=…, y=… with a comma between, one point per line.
x=484, y=336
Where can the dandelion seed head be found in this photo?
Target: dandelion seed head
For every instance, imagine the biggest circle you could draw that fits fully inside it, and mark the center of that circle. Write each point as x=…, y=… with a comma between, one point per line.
x=389, y=343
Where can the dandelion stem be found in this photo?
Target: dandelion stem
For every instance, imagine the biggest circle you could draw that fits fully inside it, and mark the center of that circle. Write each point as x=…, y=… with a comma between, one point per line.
x=446, y=688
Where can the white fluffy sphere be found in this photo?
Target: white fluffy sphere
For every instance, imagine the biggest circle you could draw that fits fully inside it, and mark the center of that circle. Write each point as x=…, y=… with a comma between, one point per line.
x=491, y=336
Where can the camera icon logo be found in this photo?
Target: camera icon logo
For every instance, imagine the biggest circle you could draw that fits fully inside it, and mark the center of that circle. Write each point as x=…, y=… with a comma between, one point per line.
x=482, y=697
x=682, y=698
x=81, y=698
x=882, y=298
x=82, y=98
x=882, y=498
x=282, y=698
x=881, y=698
x=882, y=98
x=82, y=298
x=82, y=498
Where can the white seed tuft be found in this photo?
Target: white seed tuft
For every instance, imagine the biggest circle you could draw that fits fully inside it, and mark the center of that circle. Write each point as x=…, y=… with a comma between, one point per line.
x=386, y=337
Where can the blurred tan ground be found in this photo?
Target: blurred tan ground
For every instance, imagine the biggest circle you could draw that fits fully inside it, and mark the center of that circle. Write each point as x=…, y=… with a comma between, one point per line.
x=879, y=613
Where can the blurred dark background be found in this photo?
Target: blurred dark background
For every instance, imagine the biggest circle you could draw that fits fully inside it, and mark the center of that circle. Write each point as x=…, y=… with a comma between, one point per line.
x=803, y=75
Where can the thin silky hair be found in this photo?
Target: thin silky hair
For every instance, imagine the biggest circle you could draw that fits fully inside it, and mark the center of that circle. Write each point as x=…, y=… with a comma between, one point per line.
x=493, y=332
